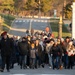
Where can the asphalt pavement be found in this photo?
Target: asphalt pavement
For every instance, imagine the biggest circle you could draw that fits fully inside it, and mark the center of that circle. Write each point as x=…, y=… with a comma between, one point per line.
x=20, y=25
x=40, y=71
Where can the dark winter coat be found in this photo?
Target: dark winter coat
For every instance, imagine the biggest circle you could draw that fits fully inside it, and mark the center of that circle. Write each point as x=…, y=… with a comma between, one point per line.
x=23, y=48
x=64, y=51
x=6, y=46
x=55, y=50
x=38, y=50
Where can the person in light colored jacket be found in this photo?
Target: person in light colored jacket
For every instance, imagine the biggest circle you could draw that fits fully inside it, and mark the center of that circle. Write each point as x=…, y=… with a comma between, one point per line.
x=48, y=48
x=70, y=51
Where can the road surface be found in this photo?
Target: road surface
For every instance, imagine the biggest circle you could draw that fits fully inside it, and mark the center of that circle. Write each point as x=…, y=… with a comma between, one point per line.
x=39, y=71
x=20, y=25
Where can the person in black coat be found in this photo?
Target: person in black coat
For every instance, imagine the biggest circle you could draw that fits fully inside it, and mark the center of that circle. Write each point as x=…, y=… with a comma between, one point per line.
x=23, y=51
x=6, y=47
x=13, y=58
x=38, y=53
x=55, y=53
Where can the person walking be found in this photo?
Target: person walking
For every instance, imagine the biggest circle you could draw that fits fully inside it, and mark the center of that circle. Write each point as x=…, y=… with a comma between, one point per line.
x=70, y=51
x=32, y=55
x=38, y=53
x=6, y=46
x=23, y=51
x=49, y=50
x=55, y=53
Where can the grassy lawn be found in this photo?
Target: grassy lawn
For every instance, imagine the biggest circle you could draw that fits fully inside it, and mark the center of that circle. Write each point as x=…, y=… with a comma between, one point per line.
x=5, y=28
x=55, y=25
x=7, y=21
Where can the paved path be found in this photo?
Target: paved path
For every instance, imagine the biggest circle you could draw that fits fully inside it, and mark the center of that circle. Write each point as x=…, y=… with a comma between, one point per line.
x=39, y=71
x=19, y=26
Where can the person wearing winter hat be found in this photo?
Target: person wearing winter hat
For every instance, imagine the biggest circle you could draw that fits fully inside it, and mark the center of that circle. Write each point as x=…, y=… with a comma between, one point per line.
x=6, y=47
x=23, y=51
x=4, y=33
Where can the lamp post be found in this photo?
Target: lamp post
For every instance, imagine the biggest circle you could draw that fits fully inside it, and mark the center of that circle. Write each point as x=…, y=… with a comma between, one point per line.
x=60, y=27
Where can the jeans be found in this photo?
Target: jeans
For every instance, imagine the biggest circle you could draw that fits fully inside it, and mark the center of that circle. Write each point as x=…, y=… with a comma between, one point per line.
x=38, y=61
x=32, y=62
x=50, y=59
x=55, y=62
x=23, y=60
x=65, y=60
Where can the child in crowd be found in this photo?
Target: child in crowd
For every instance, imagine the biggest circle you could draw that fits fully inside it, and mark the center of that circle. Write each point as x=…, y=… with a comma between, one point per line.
x=32, y=56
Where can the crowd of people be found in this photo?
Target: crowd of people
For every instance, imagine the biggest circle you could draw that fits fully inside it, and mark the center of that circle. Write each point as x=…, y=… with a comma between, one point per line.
x=35, y=51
